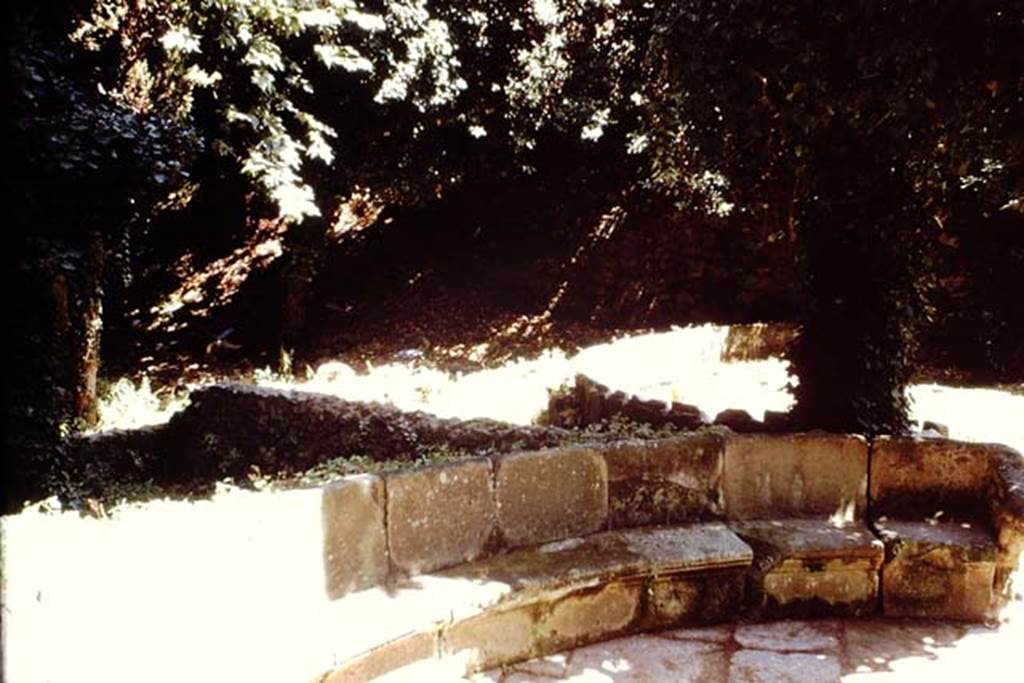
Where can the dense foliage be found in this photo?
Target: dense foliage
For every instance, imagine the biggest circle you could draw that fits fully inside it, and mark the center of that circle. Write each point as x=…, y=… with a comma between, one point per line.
x=867, y=133
x=863, y=123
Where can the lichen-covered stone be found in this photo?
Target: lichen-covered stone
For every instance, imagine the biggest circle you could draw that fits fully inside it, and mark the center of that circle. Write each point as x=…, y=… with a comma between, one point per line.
x=549, y=495
x=355, y=542
x=664, y=482
x=550, y=568
x=796, y=475
x=938, y=571
x=806, y=568
x=689, y=548
x=1007, y=505
x=705, y=597
x=590, y=615
x=915, y=479
x=439, y=516
x=492, y=639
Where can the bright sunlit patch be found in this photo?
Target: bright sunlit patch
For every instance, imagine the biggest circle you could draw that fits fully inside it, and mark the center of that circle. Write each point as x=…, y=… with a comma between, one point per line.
x=681, y=364
x=130, y=405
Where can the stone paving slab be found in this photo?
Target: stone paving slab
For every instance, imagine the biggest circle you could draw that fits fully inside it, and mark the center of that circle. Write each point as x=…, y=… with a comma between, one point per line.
x=763, y=666
x=710, y=634
x=648, y=660
x=874, y=645
x=552, y=666
x=789, y=636
x=848, y=650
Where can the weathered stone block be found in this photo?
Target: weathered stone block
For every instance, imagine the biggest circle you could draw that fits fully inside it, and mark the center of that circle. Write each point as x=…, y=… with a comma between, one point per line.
x=355, y=543
x=549, y=495
x=439, y=516
x=796, y=475
x=570, y=564
x=689, y=548
x=938, y=571
x=808, y=568
x=492, y=639
x=918, y=478
x=589, y=616
x=664, y=482
x=387, y=658
x=707, y=597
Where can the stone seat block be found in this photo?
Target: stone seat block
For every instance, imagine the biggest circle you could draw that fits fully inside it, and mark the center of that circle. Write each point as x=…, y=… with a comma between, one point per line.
x=930, y=493
x=811, y=567
x=538, y=600
x=938, y=570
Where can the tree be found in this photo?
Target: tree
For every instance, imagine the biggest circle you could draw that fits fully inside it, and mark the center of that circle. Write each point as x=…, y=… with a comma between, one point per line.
x=858, y=121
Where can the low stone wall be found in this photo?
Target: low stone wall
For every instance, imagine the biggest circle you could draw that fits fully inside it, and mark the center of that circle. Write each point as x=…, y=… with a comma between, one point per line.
x=575, y=540
x=229, y=429
x=438, y=516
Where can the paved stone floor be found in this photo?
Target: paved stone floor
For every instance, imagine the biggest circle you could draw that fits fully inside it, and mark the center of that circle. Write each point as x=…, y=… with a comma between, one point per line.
x=869, y=650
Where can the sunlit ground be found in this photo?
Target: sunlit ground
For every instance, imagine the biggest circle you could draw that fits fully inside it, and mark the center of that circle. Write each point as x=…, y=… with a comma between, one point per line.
x=228, y=589
x=683, y=365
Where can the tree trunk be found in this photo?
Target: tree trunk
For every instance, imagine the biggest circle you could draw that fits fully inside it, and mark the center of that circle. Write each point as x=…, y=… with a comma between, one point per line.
x=90, y=332
x=306, y=245
x=863, y=247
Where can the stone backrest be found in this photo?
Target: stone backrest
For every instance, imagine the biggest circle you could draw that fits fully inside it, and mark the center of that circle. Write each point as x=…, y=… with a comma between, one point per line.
x=815, y=475
x=379, y=528
x=931, y=479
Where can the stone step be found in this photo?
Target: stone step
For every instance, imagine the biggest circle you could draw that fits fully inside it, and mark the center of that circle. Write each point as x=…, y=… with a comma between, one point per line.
x=938, y=570
x=810, y=567
x=535, y=601
x=540, y=600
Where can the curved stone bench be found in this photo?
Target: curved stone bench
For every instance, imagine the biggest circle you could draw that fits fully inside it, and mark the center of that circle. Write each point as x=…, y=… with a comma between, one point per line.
x=536, y=601
x=491, y=561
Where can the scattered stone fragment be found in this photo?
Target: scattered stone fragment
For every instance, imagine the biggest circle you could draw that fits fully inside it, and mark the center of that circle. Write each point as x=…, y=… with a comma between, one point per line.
x=937, y=428
x=739, y=421
x=587, y=402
